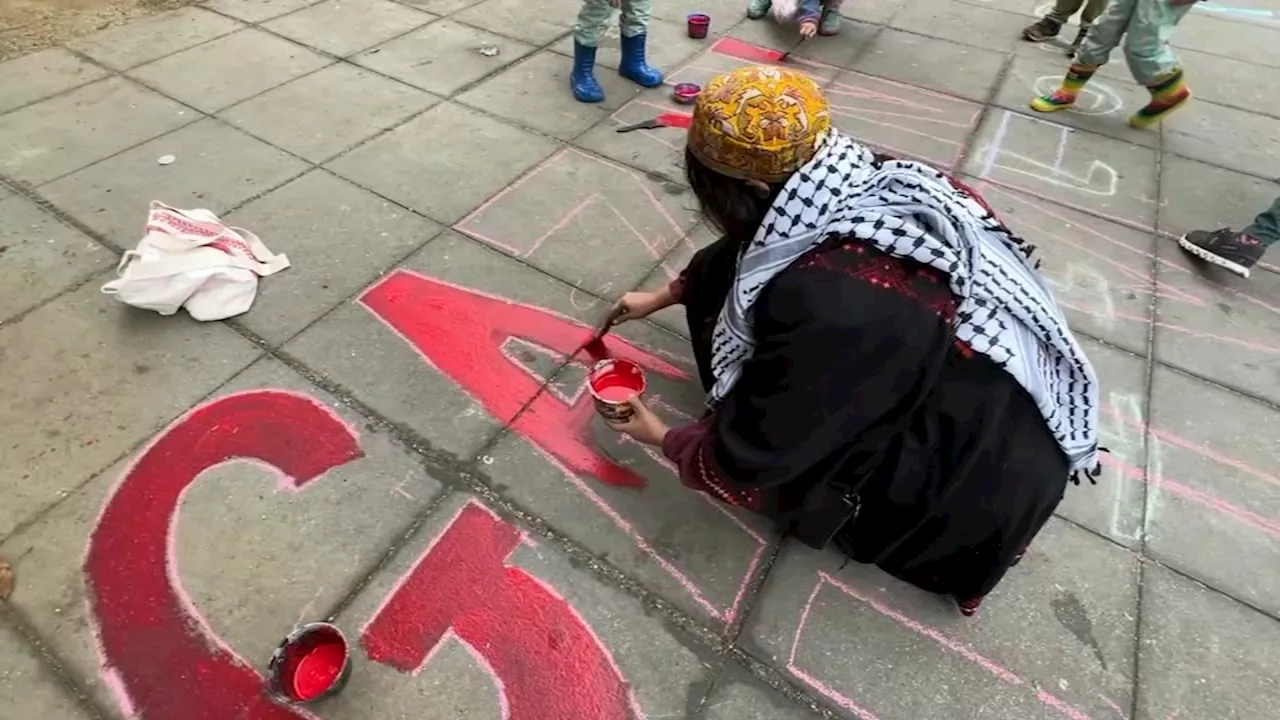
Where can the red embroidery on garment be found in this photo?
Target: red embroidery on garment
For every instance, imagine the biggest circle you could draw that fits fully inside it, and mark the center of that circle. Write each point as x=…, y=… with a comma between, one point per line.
x=963, y=349
x=973, y=194
x=715, y=486
x=910, y=279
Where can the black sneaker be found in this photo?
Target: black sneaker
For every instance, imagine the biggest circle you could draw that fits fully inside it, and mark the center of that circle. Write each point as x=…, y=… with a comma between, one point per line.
x=1225, y=248
x=1041, y=30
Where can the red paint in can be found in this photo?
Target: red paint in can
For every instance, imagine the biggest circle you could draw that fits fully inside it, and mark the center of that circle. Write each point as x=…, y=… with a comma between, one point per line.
x=686, y=93
x=699, y=24
x=612, y=384
x=312, y=663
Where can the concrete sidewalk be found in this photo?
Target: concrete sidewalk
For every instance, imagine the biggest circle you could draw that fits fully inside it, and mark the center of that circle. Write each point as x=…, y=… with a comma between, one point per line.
x=413, y=455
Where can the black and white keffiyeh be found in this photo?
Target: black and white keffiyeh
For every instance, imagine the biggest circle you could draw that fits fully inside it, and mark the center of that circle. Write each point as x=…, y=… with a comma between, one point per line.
x=910, y=210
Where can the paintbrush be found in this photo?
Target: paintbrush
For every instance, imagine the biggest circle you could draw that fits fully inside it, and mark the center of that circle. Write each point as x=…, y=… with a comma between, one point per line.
x=783, y=57
x=594, y=346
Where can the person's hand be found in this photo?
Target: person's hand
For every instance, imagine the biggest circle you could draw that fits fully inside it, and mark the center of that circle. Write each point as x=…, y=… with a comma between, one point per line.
x=808, y=29
x=615, y=4
x=636, y=305
x=643, y=426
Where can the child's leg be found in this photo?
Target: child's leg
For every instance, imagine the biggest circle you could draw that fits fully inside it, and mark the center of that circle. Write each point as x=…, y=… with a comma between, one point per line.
x=1266, y=226
x=1153, y=62
x=635, y=29
x=1092, y=10
x=830, y=22
x=1051, y=24
x=1146, y=47
x=593, y=21
x=635, y=17
x=1064, y=9
x=1093, y=53
x=1106, y=33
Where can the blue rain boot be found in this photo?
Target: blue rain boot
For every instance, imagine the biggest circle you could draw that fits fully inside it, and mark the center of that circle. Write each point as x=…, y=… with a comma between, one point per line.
x=633, y=67
x=583, y=79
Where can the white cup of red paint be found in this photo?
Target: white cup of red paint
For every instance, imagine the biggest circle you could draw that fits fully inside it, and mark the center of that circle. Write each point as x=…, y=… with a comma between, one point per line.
x=311, y=664
x=613, y=383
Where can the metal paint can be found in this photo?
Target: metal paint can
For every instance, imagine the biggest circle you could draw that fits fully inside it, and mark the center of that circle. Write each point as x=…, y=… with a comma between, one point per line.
x=612, y=383
x=312, y=663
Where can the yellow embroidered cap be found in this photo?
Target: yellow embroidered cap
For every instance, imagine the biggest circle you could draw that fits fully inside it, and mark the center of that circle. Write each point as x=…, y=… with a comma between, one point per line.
x=758, y=123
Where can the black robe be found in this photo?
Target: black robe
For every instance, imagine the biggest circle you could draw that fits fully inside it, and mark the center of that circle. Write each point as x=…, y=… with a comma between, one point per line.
x=858, y=383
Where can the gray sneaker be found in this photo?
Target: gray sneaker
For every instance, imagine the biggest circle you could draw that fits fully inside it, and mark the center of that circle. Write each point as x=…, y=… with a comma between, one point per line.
x=757, y=9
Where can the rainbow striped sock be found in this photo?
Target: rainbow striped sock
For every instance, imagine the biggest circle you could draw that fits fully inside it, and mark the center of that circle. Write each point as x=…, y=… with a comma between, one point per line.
x=1166, y=96
x=1065, y=96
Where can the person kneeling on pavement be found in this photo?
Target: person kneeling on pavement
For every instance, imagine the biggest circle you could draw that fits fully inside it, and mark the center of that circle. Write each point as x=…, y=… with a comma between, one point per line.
x=886, y=371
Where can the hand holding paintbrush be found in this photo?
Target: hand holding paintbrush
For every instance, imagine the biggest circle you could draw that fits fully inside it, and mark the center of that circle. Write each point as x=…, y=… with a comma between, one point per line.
x=631, y=306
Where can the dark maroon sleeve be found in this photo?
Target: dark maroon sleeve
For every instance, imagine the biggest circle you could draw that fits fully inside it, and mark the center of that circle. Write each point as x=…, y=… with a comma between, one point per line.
x=689, y=447
x=679, y=286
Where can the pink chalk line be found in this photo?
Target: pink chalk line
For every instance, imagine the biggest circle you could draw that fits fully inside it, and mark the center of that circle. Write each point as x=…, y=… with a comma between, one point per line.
x=1178, y=441
x=650, y=245
x=1209, y=500
x=947, y=642
x=841, y=85
x=1161, y=288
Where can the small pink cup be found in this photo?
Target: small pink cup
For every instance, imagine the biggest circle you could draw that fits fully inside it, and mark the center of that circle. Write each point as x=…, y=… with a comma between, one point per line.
x=685, y=93
x=699, y=24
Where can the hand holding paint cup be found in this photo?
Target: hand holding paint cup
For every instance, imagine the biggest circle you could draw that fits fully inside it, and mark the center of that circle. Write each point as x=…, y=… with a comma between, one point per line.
x=613, y=384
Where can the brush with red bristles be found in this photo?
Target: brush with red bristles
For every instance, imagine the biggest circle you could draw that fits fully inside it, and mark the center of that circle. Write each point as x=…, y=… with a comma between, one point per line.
x=594, y=346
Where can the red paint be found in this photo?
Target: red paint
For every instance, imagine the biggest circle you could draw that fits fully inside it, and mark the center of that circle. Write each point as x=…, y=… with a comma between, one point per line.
x=686, y=93
x=674, y=119
x=699, y=24
x=548, y=661
x=617, y=393
x=166, y=659
x=317, y=670
x=733, y=47
x=616, y=381
x=460, y=331
x=595, y=349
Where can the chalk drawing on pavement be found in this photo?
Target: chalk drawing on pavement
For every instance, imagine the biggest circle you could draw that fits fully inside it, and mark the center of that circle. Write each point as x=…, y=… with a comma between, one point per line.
x=461, y=333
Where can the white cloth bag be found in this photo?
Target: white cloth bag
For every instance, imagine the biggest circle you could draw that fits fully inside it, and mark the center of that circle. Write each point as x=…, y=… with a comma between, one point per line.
x=188, y=258
x=784, y=11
